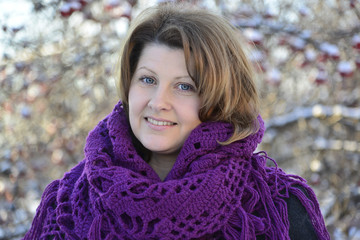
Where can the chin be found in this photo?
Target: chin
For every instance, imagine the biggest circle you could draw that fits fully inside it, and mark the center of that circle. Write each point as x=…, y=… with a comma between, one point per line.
x=161, y=149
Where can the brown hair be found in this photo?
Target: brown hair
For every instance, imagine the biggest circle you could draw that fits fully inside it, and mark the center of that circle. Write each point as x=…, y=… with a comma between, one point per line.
x=222, y=73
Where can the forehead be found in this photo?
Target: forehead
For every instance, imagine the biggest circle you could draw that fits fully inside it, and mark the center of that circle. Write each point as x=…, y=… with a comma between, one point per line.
x=162, y=57
x=154, y=51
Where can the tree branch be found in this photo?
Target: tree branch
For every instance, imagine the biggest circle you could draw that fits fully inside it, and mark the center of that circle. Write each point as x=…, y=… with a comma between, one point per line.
x=316, y=111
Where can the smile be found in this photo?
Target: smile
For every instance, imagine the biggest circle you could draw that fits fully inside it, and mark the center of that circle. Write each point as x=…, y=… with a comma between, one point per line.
x=159, y=123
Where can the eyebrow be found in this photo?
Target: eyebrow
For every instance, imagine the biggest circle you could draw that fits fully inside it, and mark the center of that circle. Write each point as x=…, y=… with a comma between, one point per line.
x=148, y=69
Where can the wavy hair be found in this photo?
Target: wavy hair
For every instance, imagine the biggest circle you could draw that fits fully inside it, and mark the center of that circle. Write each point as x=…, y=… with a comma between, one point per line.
x=221, y=71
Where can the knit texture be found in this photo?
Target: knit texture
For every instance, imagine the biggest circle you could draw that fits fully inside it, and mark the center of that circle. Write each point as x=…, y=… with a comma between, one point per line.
x=212, y=191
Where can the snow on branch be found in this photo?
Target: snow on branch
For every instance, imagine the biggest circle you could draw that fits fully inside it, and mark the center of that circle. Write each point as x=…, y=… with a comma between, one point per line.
x=336, y=144
x=317, y=111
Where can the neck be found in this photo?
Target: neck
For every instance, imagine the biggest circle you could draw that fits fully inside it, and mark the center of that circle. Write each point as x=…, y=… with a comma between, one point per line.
x=162, y=164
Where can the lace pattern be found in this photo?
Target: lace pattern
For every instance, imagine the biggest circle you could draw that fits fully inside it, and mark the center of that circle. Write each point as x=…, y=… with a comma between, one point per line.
x=212, y=191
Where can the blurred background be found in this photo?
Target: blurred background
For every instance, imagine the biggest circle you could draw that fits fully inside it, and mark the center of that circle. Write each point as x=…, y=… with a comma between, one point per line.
x=57, y=64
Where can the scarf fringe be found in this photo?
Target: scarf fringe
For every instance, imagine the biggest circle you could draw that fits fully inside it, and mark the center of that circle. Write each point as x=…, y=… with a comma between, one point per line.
x=271, y=211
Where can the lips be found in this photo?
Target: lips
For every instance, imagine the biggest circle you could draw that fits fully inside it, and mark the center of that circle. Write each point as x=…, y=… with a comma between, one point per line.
x=159, y=122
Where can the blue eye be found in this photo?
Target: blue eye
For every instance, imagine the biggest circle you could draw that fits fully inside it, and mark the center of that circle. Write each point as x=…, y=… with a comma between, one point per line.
x=147, y=80
x=185, y=87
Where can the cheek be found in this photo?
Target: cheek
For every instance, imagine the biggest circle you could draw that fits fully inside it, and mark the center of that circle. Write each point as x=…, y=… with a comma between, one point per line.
x=133, y=103
x=191, y=113
x=132, y=93
x=135, y=98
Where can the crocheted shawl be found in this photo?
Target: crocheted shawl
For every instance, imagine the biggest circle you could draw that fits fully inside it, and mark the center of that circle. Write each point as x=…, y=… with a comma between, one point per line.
x=212, y=191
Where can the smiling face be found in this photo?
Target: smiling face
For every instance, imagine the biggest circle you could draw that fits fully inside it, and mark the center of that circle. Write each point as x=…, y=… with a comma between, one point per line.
x=163, y=101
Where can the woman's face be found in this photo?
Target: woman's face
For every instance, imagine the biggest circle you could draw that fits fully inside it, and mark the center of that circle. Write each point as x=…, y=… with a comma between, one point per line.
x=163, y=101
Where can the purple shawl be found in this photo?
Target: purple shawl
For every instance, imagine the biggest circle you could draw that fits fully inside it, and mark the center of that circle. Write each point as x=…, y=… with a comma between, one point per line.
x=212, y=191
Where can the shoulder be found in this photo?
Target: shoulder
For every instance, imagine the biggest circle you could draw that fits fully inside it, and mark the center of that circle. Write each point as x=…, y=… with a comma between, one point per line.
x=45, y=211
x=301, y=226
x=54, y=195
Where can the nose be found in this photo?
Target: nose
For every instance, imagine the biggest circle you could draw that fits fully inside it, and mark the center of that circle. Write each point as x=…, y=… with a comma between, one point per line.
x=160, y=99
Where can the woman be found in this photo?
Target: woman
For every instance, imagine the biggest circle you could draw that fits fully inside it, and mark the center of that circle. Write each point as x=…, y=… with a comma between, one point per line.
x=175, y=159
